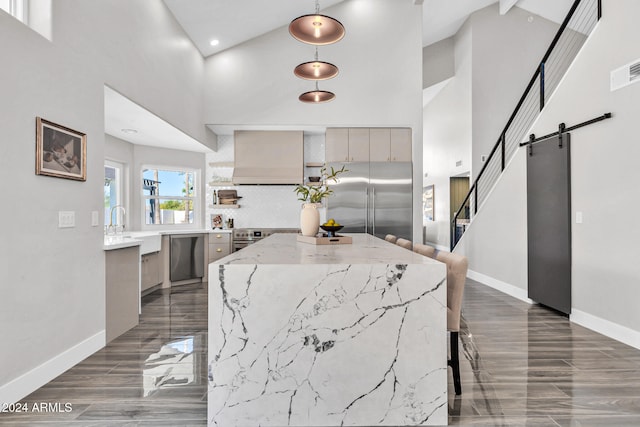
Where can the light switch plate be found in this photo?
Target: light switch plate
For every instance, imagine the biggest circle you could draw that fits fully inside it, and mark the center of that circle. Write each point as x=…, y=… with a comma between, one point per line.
x=66, y=219
x=95, y=219
x=578, y=217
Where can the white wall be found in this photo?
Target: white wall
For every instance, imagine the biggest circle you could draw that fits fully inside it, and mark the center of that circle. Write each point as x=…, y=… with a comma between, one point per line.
x=447, y=137
x=142, y=52
x=495, y=56
x=438, y=61
x=52, y=280
x=496, y=241
x=379, y=84
x=605, y=269
x=506, y=51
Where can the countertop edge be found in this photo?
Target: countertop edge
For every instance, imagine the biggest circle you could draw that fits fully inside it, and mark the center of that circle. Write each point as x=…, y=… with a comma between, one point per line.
x=128, y=243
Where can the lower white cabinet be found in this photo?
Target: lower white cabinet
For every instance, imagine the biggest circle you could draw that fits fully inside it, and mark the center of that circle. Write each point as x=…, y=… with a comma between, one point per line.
x=122, y=297
x=219, y=245
x=150, y=271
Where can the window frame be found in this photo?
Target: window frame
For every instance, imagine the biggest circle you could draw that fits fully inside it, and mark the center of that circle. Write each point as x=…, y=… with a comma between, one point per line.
x=19, y=9
x=122, y=189
x=195, y=198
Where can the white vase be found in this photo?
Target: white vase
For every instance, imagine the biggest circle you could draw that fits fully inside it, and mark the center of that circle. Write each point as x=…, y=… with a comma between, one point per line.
x=309, y=219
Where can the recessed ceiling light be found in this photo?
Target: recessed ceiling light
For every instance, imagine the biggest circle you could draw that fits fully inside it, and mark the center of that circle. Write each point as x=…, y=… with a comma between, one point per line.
x=129, y=131
x=214, y=42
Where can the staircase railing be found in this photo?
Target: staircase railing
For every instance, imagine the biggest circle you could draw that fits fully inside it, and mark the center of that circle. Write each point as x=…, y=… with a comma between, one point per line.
x=576, y=27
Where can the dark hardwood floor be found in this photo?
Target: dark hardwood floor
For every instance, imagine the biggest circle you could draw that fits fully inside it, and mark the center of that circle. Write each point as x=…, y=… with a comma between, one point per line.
x=522, y=365
x=526, y=365
x=153, y=375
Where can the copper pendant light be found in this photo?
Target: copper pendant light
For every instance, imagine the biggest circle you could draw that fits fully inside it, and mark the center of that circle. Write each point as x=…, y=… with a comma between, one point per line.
x=316, y=29
x=316, y=70
x=317, y=96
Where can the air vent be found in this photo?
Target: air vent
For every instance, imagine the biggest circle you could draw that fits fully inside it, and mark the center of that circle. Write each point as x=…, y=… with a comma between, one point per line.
x=634, y=71
x=625, y=75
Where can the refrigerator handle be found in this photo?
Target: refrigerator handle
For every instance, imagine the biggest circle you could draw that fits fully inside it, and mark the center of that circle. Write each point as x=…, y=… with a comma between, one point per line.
x=373, y=209
x=366, y=210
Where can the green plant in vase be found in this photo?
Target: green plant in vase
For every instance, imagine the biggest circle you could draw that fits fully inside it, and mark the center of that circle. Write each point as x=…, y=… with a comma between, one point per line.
x=312, y=196
x=315, y=193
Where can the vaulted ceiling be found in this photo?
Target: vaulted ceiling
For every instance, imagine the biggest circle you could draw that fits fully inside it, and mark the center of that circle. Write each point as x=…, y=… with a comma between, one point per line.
x=233, y=22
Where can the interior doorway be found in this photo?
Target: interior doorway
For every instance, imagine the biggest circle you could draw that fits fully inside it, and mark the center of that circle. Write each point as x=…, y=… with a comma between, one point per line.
x=458, y=190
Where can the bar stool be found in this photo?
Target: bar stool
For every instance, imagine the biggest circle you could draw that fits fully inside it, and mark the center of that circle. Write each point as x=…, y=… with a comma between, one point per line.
x=426, y=250
x=456, y=277
x=404, y=243
x=390, y=238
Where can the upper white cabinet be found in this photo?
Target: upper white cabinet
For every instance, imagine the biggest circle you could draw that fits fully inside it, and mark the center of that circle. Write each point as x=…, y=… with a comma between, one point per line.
x=380, y=144
x=400, y=145
x=347, y=145
x=358, y=144
x=368, y=144
x=337, y=145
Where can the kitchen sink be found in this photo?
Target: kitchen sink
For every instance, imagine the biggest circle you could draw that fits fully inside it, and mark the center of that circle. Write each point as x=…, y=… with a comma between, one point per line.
x=151, y=242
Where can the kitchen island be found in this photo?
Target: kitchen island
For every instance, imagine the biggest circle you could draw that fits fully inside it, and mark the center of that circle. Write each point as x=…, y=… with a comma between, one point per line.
x=308, y=335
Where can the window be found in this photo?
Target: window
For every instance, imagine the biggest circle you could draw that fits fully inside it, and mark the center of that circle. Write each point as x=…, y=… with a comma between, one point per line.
x=35, y=14
x=169, y=196
x=16, y=8
x=113, y=191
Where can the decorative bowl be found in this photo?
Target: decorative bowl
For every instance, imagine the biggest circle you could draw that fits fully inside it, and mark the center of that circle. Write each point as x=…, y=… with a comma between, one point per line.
x=331, y=229
x=314, y=179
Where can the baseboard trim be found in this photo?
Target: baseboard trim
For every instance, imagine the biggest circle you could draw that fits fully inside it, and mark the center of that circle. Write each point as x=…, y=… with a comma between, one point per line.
x=606, y=327
x=29, y=382
x=602, y=326
x=501, y=286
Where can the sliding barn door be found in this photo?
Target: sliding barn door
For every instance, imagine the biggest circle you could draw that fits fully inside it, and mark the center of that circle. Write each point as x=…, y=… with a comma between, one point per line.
x=549, y=223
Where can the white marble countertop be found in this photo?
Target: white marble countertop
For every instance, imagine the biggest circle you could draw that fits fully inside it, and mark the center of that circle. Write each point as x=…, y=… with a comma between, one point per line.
x=327, y=335
x=193, y=231
x=285, y=249
x=137, y=238
x=119, y=242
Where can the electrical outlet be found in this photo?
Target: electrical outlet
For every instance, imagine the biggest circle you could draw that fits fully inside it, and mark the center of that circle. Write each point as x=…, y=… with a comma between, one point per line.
x=95, y=219
x=66, y=219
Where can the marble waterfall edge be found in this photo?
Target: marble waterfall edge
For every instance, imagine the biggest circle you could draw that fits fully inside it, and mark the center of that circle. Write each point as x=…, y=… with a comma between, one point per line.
x=336, y=344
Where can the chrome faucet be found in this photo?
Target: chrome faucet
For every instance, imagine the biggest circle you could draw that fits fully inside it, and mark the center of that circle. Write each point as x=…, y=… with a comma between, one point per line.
x=124, y=212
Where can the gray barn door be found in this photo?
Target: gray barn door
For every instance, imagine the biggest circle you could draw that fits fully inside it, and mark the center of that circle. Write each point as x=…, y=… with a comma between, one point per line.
x=549, y=223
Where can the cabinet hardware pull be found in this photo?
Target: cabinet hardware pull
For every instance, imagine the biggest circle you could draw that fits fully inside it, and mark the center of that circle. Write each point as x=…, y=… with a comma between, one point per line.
x=219, y=250
x=218, y=236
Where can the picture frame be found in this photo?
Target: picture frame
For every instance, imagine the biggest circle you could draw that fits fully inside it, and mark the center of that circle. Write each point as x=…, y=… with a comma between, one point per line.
x=428, y=209
x=61, y=152
x=217, y=221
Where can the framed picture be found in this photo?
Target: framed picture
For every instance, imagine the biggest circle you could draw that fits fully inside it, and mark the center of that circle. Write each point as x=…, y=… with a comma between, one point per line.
x=216, y=221
x=427, y=203
x=60, y=151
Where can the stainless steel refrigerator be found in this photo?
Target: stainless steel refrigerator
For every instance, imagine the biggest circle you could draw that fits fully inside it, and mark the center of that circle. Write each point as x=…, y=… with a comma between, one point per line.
x=374, y=198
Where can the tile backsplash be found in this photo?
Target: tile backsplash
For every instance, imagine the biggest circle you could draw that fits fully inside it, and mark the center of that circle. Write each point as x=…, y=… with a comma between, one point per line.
x=264, y=206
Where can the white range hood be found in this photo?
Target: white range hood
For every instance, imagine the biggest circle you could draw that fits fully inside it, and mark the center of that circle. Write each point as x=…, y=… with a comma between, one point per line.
x=268, y=157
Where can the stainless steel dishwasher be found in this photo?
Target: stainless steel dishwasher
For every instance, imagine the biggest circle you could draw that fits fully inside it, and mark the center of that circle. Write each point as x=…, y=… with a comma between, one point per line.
x=187, y=257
